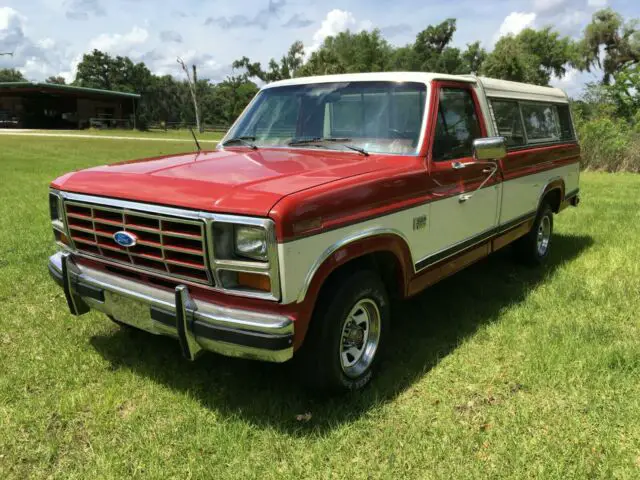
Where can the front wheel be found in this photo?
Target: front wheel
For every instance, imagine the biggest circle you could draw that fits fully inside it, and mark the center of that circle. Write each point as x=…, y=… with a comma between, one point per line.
x=346, y=334
x=534, y=247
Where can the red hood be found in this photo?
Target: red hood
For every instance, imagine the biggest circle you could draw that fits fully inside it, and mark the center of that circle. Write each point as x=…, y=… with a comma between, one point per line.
x=238, y=181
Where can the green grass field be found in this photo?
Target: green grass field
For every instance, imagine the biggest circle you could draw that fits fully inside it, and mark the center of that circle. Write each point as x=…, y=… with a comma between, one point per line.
x=178, y=134
x=499, y=371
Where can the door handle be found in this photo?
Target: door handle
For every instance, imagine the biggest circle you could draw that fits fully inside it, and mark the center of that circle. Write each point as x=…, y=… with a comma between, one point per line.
x=491, y=170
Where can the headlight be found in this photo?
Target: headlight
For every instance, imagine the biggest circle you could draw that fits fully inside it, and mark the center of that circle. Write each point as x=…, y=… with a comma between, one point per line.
x=250, y=242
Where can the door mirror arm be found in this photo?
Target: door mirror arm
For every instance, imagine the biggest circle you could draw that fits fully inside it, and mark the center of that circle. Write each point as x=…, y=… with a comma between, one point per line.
x=486, y=151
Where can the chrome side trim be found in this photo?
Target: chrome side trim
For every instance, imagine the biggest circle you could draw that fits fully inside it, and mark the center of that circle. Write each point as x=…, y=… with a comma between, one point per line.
x=455, y=249
x=371, y=232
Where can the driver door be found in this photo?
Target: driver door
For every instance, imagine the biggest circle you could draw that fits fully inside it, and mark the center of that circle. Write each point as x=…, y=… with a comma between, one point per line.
x=460, y=220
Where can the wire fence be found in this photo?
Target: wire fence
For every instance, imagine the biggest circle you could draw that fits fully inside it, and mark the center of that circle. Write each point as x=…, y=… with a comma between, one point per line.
x=166, y=126
x=101, y=123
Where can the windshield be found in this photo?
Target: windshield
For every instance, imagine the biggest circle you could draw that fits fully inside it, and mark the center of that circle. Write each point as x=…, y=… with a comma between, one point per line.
x=381, y=117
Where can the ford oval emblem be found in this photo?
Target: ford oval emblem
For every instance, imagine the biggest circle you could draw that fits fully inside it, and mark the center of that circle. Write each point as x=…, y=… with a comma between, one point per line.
x=125, y=239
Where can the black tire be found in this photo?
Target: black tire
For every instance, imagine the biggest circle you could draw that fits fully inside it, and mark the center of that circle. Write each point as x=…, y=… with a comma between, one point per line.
x=320, y=360
x=528, y=249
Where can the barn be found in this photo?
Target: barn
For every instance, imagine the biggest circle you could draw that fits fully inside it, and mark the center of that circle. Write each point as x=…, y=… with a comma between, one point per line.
x=54, y=106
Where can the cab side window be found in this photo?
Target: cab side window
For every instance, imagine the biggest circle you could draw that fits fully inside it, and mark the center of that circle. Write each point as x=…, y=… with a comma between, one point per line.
x=508, y=121
x=457, y=125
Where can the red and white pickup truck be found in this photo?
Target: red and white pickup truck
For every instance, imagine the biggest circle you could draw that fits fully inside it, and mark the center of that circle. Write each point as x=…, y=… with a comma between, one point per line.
x=328, y=196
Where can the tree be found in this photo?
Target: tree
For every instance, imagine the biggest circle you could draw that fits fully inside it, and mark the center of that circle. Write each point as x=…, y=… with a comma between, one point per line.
x=473, y=57
x=228, y=99
x=431, y=43
x=11, y=75
x=100, y=70
x=532, y=56
x=56, y=79
x=625, y=92
x=349, y=52
x=287, y=68
x=620, y=41
x=431, y=52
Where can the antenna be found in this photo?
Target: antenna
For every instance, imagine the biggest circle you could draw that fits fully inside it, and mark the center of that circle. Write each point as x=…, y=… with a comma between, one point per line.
x=195, y=139
x=192, y=88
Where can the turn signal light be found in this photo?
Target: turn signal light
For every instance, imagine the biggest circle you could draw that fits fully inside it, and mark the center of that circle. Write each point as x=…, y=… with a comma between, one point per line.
x=254, y=281
x=61, y=237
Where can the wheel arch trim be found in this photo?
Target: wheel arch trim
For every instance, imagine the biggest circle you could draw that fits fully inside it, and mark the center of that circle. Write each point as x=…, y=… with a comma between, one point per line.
x=554, y=183
x=365, y=235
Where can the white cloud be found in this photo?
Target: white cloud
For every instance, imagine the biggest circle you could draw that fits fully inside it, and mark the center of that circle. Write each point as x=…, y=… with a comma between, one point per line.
x=572, y=21
x=46, y=43
x=120, y=44
x=36, y=59
x=335, y=22
x=82, y=9
x=573, y=82
x=514, y=23
x=548, y=5
x=9, y=18
x=11, y=28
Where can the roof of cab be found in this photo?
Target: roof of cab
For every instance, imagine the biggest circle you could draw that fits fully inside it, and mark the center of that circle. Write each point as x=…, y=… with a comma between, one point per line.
x=492, y=86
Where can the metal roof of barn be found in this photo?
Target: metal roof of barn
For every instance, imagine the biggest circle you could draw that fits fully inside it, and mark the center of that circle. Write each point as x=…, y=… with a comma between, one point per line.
x=57, y=88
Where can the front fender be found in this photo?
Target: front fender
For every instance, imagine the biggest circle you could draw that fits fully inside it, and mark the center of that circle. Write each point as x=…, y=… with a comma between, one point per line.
x=350, y=248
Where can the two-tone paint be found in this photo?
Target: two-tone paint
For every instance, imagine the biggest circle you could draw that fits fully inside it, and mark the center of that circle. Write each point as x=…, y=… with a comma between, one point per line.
x=424, y=218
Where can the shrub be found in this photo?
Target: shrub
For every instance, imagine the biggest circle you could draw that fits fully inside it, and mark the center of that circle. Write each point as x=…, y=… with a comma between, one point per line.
x=609, y=144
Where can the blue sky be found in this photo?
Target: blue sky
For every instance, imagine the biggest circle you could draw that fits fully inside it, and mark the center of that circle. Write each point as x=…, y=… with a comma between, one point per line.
x=48, y=37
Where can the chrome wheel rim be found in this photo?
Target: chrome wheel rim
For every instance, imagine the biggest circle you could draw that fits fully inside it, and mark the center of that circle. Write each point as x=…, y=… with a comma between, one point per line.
x=360, y=338
x=544, y=235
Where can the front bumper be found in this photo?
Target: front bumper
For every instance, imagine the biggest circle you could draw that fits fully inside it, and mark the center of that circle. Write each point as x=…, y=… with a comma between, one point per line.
x=198, y=325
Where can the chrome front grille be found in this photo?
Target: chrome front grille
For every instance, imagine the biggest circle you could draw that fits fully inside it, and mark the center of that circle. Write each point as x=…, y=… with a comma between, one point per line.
x=167, y=245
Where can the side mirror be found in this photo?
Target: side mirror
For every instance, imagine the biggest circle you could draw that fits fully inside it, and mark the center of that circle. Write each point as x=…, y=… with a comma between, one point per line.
x=489, y=148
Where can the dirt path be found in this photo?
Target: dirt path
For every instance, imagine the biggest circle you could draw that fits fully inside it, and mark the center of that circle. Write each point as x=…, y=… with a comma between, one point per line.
x=35, y=133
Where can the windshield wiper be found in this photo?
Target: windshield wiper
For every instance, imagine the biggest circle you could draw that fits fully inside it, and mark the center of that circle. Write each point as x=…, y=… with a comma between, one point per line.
x=357, y=149
x=320, y=140
x=307, y=140
x=244, y=140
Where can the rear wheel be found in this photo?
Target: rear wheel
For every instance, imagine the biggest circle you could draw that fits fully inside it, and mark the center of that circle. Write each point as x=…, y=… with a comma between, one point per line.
x=346, y=334
x=534, y=247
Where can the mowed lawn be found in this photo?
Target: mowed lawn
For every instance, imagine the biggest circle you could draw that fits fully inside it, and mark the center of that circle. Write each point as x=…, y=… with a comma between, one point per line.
x=499, y=371
x=178, y=135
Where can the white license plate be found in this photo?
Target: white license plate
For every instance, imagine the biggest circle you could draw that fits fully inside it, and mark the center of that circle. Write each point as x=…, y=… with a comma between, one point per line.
x=131, y=312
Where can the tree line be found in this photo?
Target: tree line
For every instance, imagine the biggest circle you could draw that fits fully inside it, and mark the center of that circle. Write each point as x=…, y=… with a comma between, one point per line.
x=608, y=43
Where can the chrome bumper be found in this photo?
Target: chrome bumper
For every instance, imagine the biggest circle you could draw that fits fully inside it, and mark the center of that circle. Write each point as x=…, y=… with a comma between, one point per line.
x=196, y=324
